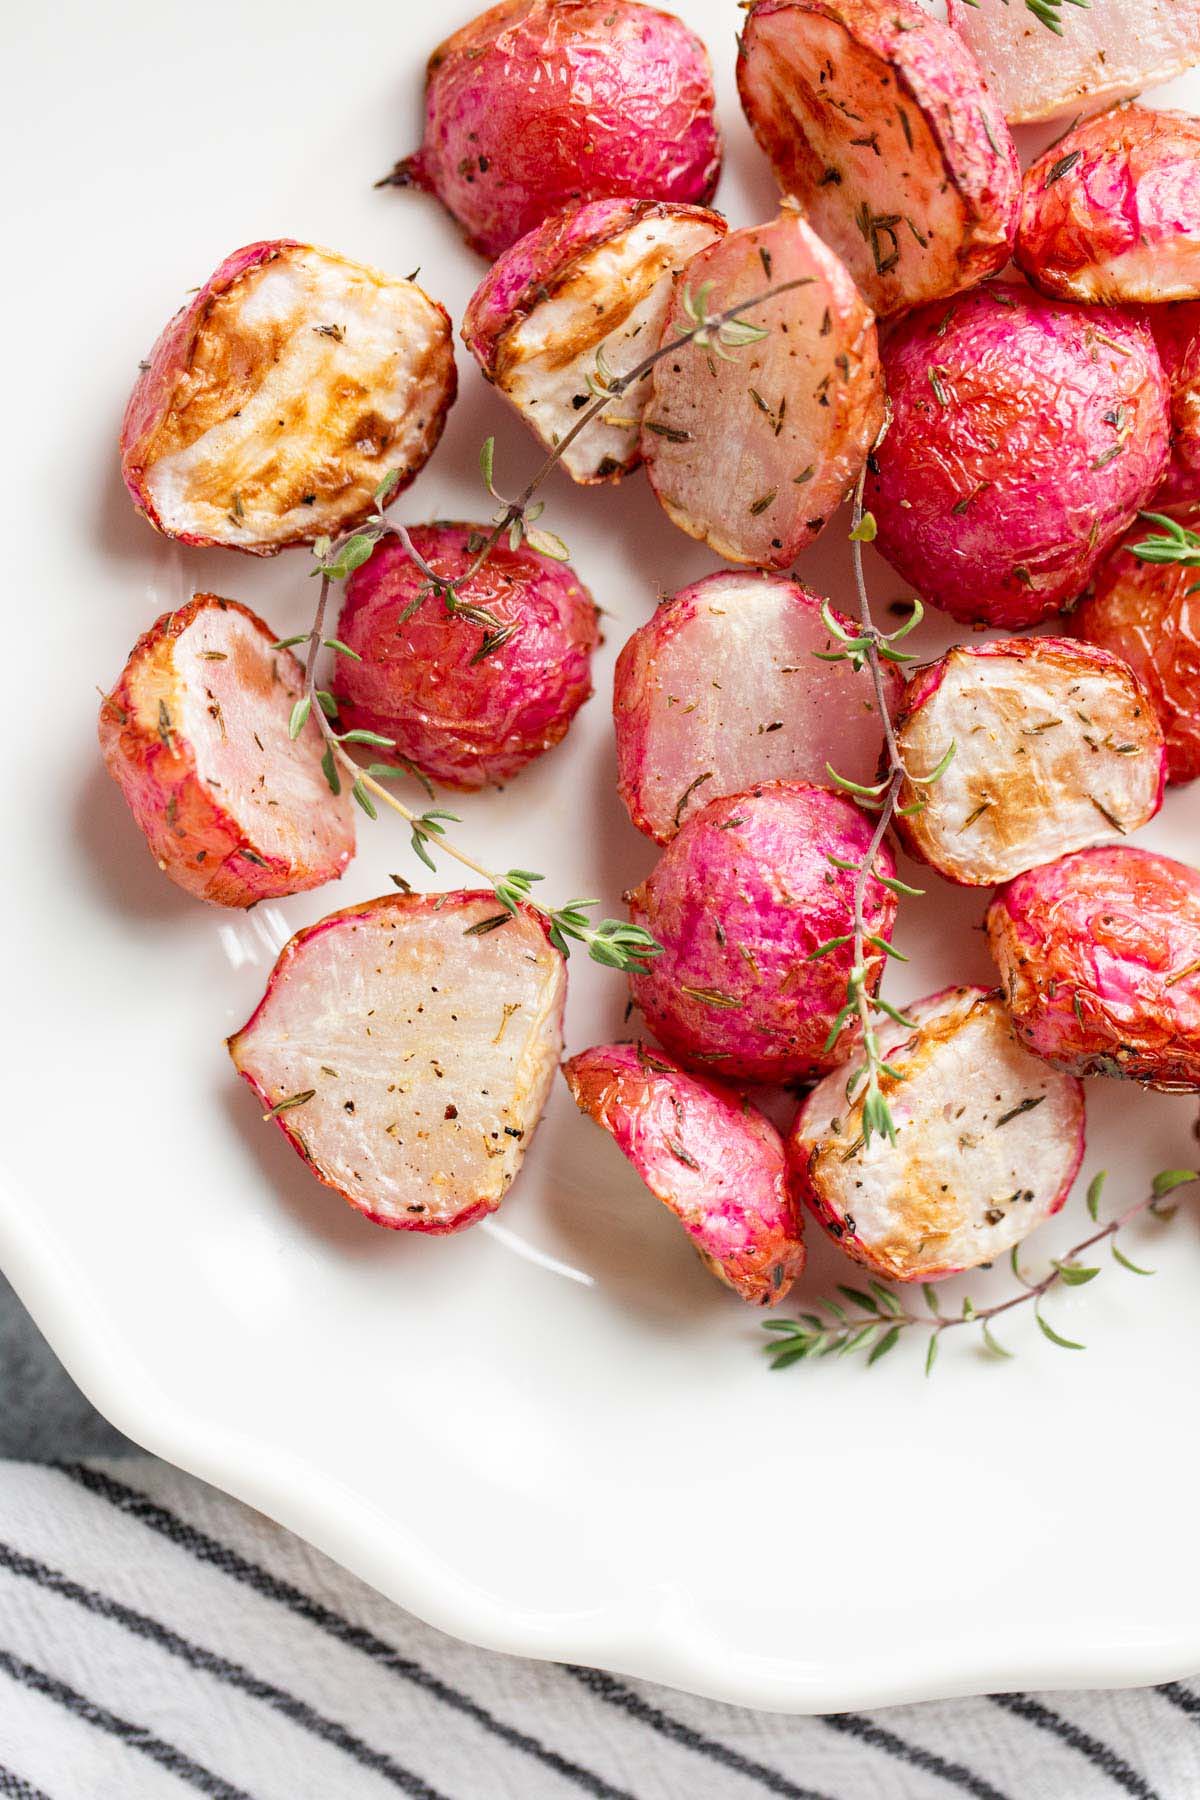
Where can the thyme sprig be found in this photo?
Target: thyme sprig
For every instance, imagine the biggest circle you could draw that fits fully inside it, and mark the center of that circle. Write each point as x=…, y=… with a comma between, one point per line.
x=867, y=646
x=873, y=1319
x=1173, y=544
x=615, y=943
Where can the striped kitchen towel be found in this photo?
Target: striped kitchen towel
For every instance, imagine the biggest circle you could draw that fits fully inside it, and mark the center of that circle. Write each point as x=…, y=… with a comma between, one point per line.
x=159, y=1639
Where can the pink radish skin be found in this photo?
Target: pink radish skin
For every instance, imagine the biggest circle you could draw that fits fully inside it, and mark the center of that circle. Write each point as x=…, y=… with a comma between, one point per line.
x=723, y=687
x=1056, y=745
x=1149, y=615
x=196, y=735
x=706, y=1153
x=277, y=400
x=740, y=900
x=876, y=112
x=988, y=1143
x=593, y=282
x=1103, y=53
x=537, y=104
x=406, y=1053
x=792, y=416
x=464, y=718
x=1111, y=212
x=1026, y=434
x=1099, y=954
x=1177, y=335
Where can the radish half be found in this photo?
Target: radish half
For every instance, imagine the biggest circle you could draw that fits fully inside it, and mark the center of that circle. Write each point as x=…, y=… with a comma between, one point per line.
x=405, y=1049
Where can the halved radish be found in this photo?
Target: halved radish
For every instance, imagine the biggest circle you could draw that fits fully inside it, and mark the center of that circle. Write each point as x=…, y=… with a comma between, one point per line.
x=724, y=687
x=1176, y=332
x=1149, y=614
x=468, y=702
x=274, y=404
x=1111, y=212
x=1025, y=435
x=877, y=120
x=405, y=1049
x=534, y=104
x=1099, y=954
x=753, y=905
x=1100, y=53
x=196, y=733
x=988, y=1142
x=752, y=448
x=584, y=294
x=1053, y=745
x=706, y=1153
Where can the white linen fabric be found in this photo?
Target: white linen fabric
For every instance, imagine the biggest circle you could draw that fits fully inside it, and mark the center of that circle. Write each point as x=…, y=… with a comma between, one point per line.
x=158, y=1639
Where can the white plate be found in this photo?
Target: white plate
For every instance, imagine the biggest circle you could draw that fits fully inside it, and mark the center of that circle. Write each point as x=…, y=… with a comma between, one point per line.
x=555, y=1434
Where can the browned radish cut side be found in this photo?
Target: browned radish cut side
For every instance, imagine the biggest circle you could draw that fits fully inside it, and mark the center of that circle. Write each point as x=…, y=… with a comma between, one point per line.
x=988, y=1142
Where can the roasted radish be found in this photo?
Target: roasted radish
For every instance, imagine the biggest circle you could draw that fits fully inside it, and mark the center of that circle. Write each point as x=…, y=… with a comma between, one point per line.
x=988, y=1142
x=744, y=902
x=877, y=120
x=725, y=687
x=1177, y=334
x=473, y=691
x=1112, y=211
x=1149, y=614
x=278, y=399
x=1045, y=746
x=708, y=1155
x=538, y=103
x=405, y=1049
x=751, y=448
x=1099, y=954
x=1025, y=435
x=580, y=300
x=196, y=734
x=1099, y=54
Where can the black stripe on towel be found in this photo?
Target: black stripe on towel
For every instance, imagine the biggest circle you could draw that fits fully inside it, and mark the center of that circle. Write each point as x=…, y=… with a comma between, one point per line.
x=209, y=1663
x=221, y=1556
x=866, y=1731
x=1099, y=1754
x=615, y=1693
x=135, y=1736
x=16, y=1785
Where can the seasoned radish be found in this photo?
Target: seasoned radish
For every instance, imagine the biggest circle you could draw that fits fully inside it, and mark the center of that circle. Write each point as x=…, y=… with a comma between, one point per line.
x=752, y=450
x=1102, y=53
x=877, y=120
x=1099, y=954
x=1112, y=211
x=405, y=1049
x=273, y=405
x=1177, y=335
x=1149, y=614
x=586, y=293
x=725, y=687
x=706, y=1153
x=1025, y=435
x=467, y=701
x=1051, y=746
x=988, y=1142
x=196, y=734
x=538, y=103
x=742, y=900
